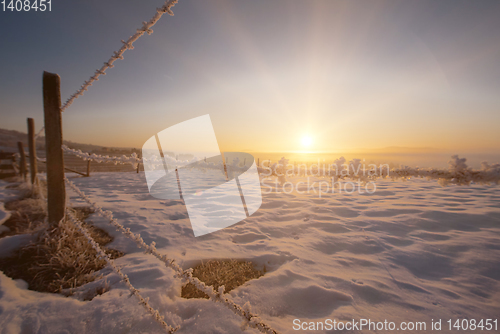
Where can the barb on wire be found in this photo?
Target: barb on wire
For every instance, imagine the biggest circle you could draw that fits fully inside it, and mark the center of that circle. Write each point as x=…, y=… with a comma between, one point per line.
x=215, y=296
x=127, y=45
x=143, y=301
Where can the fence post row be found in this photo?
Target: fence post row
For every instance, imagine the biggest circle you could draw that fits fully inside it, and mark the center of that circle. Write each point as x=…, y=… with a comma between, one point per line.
x=32, y=150
x=22, y=161
x=56, y=191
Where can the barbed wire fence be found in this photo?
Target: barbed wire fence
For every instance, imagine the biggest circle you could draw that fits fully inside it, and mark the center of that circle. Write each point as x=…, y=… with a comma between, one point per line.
x=217, y=297
x=457, y=173
x=56, y=207
x=101, y=254
x=127, y=45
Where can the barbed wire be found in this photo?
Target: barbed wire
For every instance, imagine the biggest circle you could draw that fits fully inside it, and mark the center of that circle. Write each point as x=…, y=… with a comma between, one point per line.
x=217, y=297
x=457, y=173
x=133, y=159
x=39, y=133
x=143, y=301
x=127, y=45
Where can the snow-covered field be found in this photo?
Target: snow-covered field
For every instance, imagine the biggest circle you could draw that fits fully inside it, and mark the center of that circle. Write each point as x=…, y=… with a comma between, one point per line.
x=412, y=251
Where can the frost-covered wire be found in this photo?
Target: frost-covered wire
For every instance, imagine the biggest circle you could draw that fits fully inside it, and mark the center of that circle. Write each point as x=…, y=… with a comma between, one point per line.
x=143, y=301
x=127, y=45
x=39, y=133
x=215, y=296
x=133, y=159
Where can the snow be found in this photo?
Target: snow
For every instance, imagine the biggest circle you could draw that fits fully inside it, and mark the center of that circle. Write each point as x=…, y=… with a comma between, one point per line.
x=6, y=194
x=411, y=251
x=10, y=243
x=4, y=216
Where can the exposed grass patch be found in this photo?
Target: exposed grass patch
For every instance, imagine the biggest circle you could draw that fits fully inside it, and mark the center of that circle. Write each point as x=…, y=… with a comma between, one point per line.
x=61, y=258
x=230, y=273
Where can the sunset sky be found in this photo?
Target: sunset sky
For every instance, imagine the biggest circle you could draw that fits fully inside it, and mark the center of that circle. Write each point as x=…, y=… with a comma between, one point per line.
x=273, y=75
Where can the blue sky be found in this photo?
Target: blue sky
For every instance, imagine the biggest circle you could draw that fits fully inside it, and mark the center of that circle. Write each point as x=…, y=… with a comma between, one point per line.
x=348, y=74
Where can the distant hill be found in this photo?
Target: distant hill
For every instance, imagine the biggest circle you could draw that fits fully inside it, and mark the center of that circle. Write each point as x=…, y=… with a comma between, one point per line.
x=9, y=139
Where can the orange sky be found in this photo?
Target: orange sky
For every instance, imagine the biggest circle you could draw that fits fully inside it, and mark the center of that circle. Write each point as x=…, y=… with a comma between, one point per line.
x=349, y=75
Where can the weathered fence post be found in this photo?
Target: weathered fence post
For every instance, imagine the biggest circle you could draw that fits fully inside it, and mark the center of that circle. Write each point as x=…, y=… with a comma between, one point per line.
x=32, y=150
x=56, y=191
x=22, y=161
x=88, y=168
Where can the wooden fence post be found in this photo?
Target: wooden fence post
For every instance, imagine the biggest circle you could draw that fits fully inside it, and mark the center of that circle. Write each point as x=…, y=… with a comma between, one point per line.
x=32, y=150
x=22, y=161
x=88, y=168
x=56, y=191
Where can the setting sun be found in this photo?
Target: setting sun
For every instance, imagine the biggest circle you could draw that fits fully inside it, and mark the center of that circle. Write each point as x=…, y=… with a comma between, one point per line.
x=306, y=141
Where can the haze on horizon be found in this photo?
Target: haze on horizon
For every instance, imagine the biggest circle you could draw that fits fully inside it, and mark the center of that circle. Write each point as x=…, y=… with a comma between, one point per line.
x=347, y=76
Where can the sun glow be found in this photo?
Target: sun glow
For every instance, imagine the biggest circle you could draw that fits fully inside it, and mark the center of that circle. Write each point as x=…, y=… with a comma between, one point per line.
x=306, y=141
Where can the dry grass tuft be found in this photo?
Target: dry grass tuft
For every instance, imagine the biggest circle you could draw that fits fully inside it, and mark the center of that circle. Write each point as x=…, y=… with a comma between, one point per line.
x=61, y=258
x=230, y=273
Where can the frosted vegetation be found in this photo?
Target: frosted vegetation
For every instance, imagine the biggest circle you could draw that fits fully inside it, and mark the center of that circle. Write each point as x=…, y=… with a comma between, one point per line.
x=457, y=173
